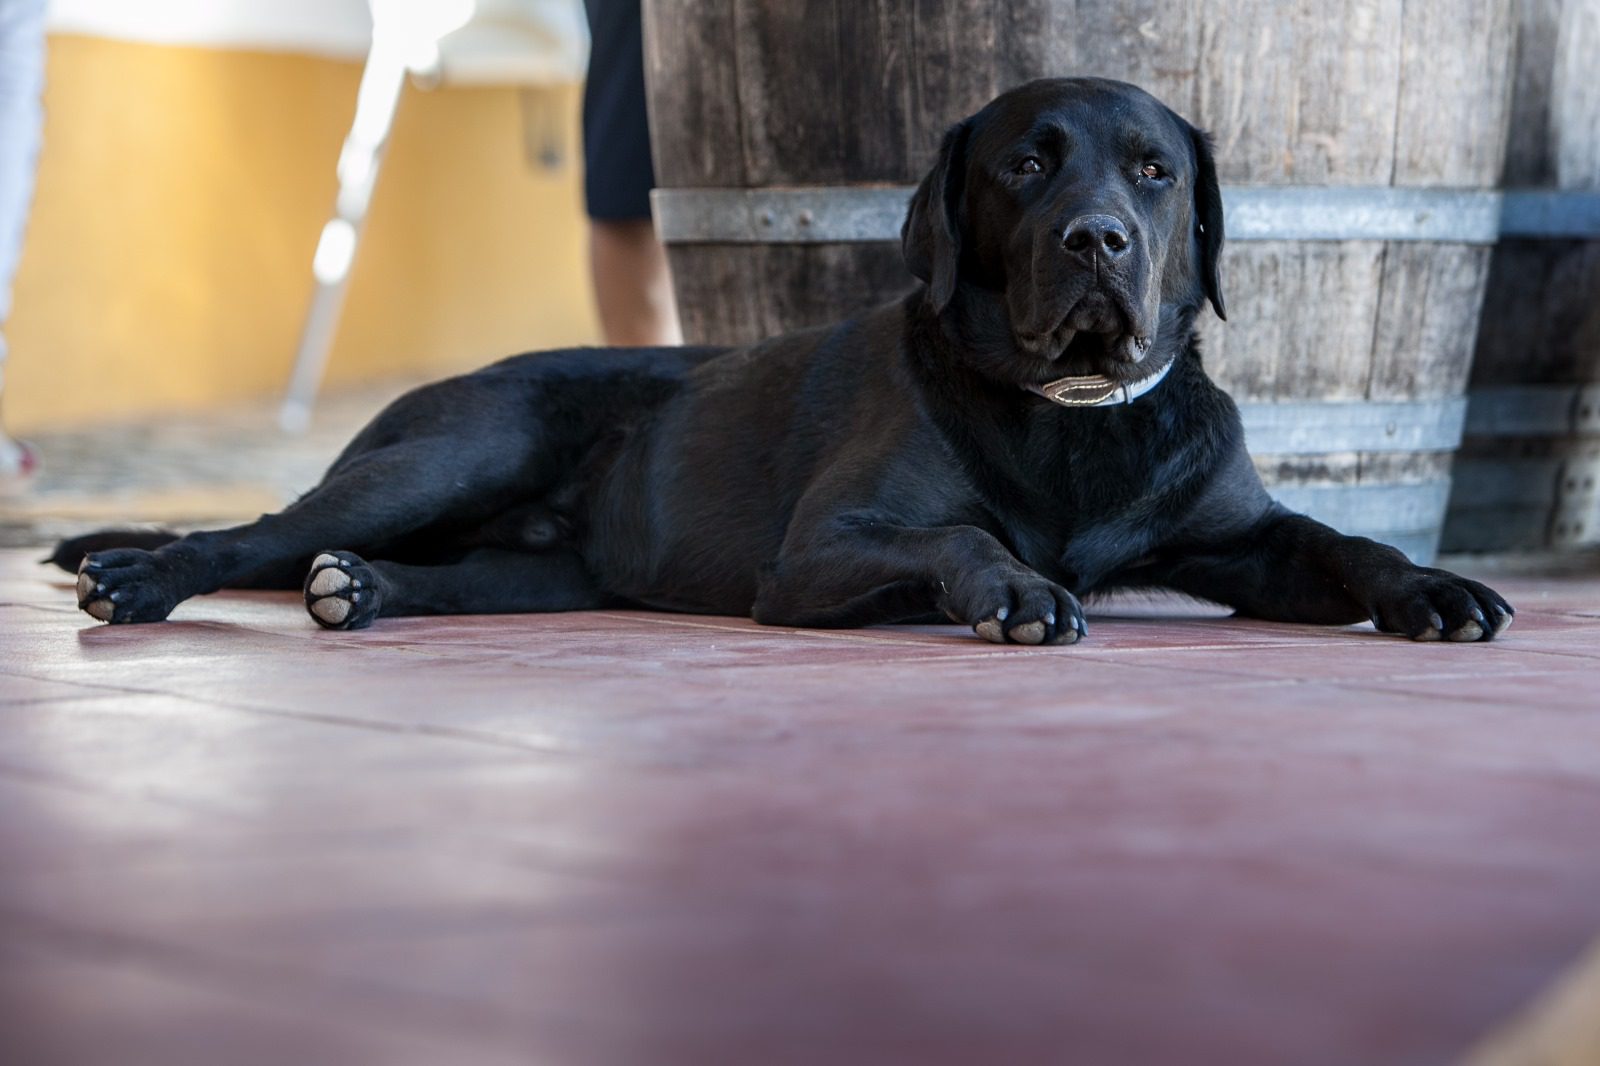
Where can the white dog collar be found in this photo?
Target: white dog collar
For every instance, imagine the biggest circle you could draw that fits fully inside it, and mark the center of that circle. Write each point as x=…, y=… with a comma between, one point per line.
x=1097, y=390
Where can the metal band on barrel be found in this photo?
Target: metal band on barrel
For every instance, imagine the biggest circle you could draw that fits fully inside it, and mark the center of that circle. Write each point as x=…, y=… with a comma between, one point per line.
x=860, y=213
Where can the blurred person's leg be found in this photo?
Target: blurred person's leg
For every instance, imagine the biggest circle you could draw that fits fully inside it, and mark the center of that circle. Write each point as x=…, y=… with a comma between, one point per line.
x=632, y=283
x=21, y=119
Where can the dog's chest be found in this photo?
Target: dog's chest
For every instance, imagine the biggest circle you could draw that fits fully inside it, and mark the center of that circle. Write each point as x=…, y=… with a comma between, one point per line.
x=1078, y=498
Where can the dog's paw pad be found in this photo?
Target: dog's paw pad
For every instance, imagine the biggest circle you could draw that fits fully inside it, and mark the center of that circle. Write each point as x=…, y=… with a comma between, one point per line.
x=331, y=610
x=123, y=585
x=1029, y=633
x=88, y=586
x=328, y=581
x=991, y=630
x=341, y=591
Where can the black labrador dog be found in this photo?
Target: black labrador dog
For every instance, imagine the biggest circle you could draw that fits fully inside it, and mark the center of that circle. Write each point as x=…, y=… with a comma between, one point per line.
x=1030, y=425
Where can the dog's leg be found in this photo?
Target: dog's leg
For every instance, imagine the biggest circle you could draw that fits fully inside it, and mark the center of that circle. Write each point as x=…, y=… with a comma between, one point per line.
x=344, y=591
x=366, y=500
x=864, y=572
x=1290, y=568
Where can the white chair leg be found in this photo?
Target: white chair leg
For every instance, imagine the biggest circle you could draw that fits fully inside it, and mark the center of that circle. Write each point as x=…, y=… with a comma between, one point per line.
x=381, y=81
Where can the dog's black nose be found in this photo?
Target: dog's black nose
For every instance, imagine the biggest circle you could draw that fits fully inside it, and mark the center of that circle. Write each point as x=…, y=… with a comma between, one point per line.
x=1097, y=235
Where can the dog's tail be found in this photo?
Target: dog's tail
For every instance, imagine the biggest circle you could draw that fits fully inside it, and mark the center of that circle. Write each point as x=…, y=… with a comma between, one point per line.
x=70, y=552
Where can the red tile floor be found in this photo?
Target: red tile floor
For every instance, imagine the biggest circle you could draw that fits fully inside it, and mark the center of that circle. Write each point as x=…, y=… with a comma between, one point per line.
x=622, y=837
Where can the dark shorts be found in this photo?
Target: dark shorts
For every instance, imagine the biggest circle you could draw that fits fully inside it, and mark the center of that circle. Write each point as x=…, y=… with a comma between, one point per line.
x=618, y=175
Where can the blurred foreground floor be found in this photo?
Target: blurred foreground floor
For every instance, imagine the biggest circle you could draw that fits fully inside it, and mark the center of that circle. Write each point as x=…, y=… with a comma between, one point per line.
x=197, y=470
x=623, y=837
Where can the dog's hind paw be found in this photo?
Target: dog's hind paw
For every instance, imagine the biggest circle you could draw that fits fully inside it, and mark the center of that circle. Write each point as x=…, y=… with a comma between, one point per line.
x=342, y=591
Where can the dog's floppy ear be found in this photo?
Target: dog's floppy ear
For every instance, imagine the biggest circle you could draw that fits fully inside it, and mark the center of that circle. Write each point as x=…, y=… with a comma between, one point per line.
x=930, y=240
x=1208, y=219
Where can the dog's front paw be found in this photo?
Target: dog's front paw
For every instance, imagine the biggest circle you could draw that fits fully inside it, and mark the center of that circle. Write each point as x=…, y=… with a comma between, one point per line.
x=126, y=585
x=342, y=591
x=1432, y=604
x=1021, y=608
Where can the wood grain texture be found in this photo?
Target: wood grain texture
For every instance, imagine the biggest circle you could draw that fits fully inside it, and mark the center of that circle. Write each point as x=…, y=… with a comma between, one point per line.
x=953, y=67
x=1540, y=324
x=1354, y=92
x=1455, y=93
x=1575, y=97
x=693, y=90
x=719, y=300
x=789, y=62
x=1428, y=310
x=1300, y=320
x=1354, y=468
x=740, y=293
x=876, y=58
x=1154, y=45
x=1296, y=97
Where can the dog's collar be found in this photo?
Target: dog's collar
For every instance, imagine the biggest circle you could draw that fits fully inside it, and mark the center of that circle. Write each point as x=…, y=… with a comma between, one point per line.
x=1096, y=390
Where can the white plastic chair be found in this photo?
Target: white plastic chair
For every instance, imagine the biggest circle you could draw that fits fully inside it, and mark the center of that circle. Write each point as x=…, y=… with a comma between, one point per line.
x=487, y=42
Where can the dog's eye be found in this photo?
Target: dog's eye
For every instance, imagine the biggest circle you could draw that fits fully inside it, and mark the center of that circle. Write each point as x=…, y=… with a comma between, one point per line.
x=1155, y=171
x=1030, y=165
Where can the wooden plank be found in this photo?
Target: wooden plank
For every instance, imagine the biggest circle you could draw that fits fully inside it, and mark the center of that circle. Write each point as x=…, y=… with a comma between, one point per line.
x=1300, y=320
x=1298, y=95
x=741, y=293
x=1325, y=468
x=1428, y=304
x=1529, y=159
x=952, y=69
x=1386, y=468
x=813, y=285
x=1036, y=39
x=719, y=299
x=1575, y=97
x=1151, y=44
x=788, y=59
x=874, y=84
x=693, y=93
x=1455, y=93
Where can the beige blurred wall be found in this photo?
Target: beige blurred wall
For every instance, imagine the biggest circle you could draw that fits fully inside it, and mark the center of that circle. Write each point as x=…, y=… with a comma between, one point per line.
x=181, y=193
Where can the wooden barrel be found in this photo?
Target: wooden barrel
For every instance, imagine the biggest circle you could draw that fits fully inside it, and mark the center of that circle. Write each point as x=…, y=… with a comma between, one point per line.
x=1528, y=475
x=1359, y=143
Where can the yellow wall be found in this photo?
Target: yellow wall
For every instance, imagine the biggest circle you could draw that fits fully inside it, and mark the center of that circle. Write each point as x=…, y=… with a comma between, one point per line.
x=181, y=194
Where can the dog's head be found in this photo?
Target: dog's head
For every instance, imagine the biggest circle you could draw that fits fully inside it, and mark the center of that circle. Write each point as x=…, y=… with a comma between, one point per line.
x=1087, y=212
